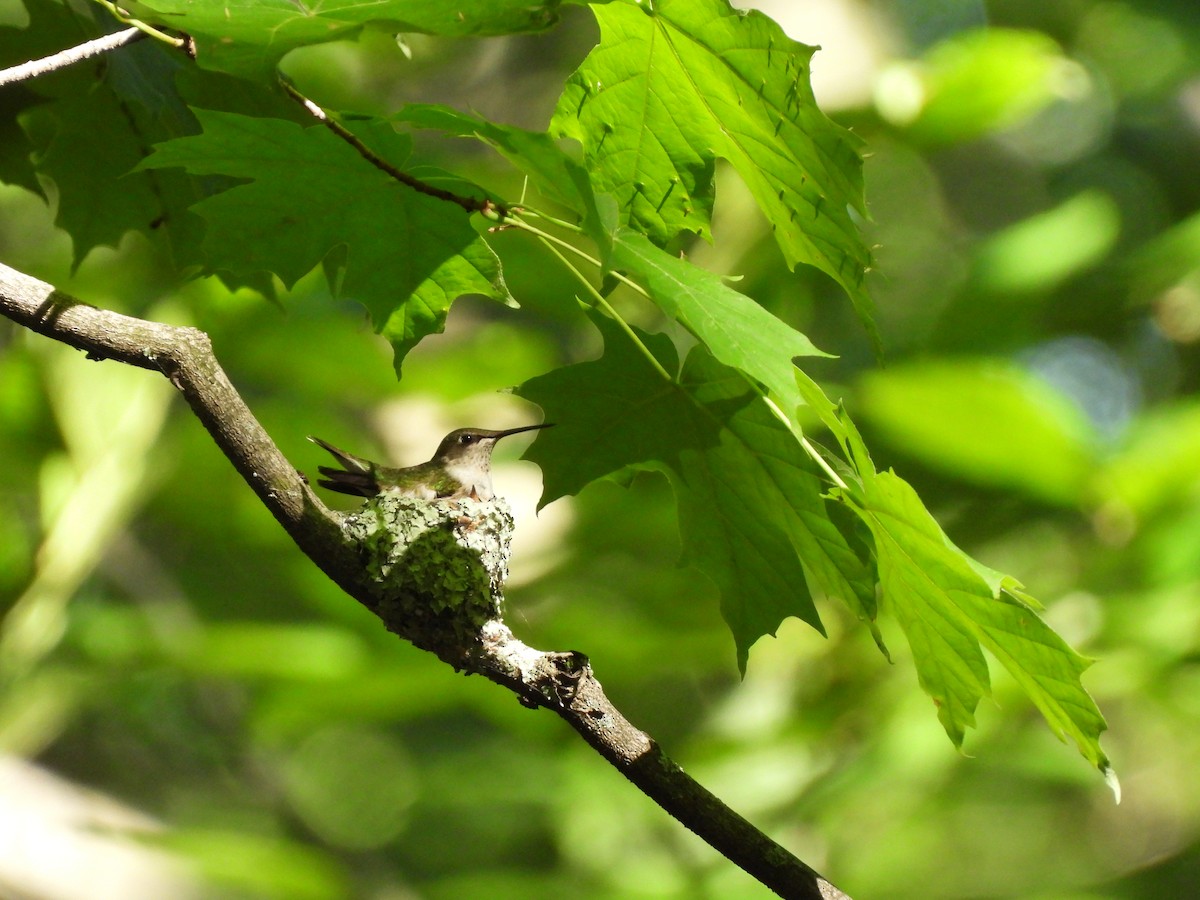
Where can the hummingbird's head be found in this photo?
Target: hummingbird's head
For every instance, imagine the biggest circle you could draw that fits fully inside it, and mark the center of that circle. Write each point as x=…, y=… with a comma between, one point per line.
x=475, y=444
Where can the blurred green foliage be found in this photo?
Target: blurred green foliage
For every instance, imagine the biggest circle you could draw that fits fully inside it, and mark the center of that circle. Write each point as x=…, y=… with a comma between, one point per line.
x=1032, y=188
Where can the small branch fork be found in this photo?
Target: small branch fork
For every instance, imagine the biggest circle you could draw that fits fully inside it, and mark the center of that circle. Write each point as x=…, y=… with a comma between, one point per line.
x=561, y=682
x=183, y=42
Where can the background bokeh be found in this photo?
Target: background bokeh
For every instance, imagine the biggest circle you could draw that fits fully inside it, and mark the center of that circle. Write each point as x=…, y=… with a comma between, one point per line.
x=189, y=709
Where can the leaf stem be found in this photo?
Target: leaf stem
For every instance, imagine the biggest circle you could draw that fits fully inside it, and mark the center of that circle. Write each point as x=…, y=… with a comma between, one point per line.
x=820, y=461
x=553, y=220
x=812, y=451
x=600, y=302
x=520, y=223
x=567, y=245
x=182, y=43
x=553, y=242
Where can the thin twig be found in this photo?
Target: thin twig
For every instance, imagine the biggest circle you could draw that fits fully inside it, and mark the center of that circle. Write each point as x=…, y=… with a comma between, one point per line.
x=561, y=682
x=69, y=57
x=184, y=43
x=485, y=207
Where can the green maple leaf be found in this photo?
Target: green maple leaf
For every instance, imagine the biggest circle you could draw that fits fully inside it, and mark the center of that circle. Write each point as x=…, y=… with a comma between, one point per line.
x=951, y=607
x=99, y=199
x=676, y=84
x=734, y=328
x=750, y=511
x=249, y=37
x=16, y=151
x=311, y=198
x=130, y=99
x=752, y=515
x=133, y=98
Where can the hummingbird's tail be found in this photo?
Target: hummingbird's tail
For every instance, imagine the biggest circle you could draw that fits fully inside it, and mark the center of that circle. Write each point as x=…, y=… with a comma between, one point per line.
x=357, y=475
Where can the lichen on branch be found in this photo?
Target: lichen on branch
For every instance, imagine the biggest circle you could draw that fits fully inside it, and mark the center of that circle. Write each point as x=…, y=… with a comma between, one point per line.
x=438, y=566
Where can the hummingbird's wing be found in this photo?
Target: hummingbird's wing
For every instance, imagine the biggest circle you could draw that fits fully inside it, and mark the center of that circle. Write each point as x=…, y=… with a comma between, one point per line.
x=357, y=475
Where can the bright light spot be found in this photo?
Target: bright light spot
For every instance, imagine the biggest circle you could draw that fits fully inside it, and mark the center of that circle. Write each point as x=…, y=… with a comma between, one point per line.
x=900, y=93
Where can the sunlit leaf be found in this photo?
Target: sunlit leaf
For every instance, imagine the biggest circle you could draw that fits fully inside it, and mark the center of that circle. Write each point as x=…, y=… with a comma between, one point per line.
x=248, y=37
x=950, y=609
x=676, y=84
x=735, y=329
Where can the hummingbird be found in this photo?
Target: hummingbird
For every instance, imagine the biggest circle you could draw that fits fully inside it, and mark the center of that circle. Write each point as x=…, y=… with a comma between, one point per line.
x=460, y=468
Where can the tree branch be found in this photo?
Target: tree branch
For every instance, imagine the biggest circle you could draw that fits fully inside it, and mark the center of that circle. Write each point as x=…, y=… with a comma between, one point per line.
x=70, y=56
x=561, y=682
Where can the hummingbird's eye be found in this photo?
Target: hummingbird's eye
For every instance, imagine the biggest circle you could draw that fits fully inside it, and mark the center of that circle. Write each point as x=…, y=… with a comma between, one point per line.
x=466, y=438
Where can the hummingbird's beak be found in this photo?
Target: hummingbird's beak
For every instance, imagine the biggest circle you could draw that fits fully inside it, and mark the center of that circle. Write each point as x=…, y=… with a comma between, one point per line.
x=506, y=433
